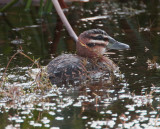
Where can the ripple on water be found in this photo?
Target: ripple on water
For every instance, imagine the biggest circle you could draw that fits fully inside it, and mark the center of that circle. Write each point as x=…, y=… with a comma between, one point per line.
x=54, y=128
x=45, y=120
x=59, y=118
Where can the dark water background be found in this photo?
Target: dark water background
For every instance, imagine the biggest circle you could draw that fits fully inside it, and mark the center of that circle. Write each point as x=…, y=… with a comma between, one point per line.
x=131, y=102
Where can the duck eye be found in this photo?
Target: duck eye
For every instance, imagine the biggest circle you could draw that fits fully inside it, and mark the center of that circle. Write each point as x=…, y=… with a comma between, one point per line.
x=99, y=37
x=91, y=44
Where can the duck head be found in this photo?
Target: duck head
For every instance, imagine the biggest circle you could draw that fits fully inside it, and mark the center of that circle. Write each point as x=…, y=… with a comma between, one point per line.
x=95, y=42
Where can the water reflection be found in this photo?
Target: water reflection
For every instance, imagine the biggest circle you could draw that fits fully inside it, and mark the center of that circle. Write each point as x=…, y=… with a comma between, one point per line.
x=131, y=101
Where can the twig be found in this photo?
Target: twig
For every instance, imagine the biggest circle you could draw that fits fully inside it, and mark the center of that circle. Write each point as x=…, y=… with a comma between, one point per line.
x=29, y=58
x=7, y=67
x=18, y=52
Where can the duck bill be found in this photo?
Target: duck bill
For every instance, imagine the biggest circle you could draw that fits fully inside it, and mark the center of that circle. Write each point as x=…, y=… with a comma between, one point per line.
x=113, y=44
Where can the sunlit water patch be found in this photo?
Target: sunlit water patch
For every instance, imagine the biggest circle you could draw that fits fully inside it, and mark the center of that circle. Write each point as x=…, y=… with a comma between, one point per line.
x=132, y=101
x=98, y=107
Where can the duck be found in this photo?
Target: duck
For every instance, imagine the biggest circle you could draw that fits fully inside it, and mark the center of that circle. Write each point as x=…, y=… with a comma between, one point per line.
x=89, y=62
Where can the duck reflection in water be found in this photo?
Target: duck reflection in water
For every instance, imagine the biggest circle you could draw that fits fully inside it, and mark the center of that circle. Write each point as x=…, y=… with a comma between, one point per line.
x=89, y=62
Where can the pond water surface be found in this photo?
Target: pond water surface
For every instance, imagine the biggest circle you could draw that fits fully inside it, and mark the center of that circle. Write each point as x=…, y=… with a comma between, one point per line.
x=131, y=101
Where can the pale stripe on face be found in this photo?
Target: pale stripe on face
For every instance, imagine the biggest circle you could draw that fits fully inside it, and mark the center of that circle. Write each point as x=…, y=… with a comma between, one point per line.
x=97, y=42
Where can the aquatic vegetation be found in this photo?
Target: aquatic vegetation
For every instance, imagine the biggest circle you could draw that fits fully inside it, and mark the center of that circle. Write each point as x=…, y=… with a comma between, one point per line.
x=38, y=103
x=45, y=7
x=28, y=100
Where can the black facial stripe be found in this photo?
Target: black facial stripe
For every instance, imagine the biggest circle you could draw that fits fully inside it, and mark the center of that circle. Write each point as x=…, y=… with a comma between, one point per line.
x=99, y=37
x=95, y=44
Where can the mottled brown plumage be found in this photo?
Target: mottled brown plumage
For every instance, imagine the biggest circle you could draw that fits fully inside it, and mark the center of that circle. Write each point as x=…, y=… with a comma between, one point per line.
x=89, y=62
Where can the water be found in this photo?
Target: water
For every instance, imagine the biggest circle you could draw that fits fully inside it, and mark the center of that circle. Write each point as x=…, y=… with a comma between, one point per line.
x=131, y=101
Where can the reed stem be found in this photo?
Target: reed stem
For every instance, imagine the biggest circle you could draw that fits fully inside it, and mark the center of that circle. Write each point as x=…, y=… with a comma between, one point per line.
x=7, y=6
x=64, y=20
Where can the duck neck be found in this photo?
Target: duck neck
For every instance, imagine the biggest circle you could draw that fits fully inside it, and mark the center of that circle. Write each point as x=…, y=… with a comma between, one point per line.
x=109, y=63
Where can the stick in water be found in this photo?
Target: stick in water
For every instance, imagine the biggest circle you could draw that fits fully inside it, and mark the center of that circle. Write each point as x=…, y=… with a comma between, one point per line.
x=64, y=20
